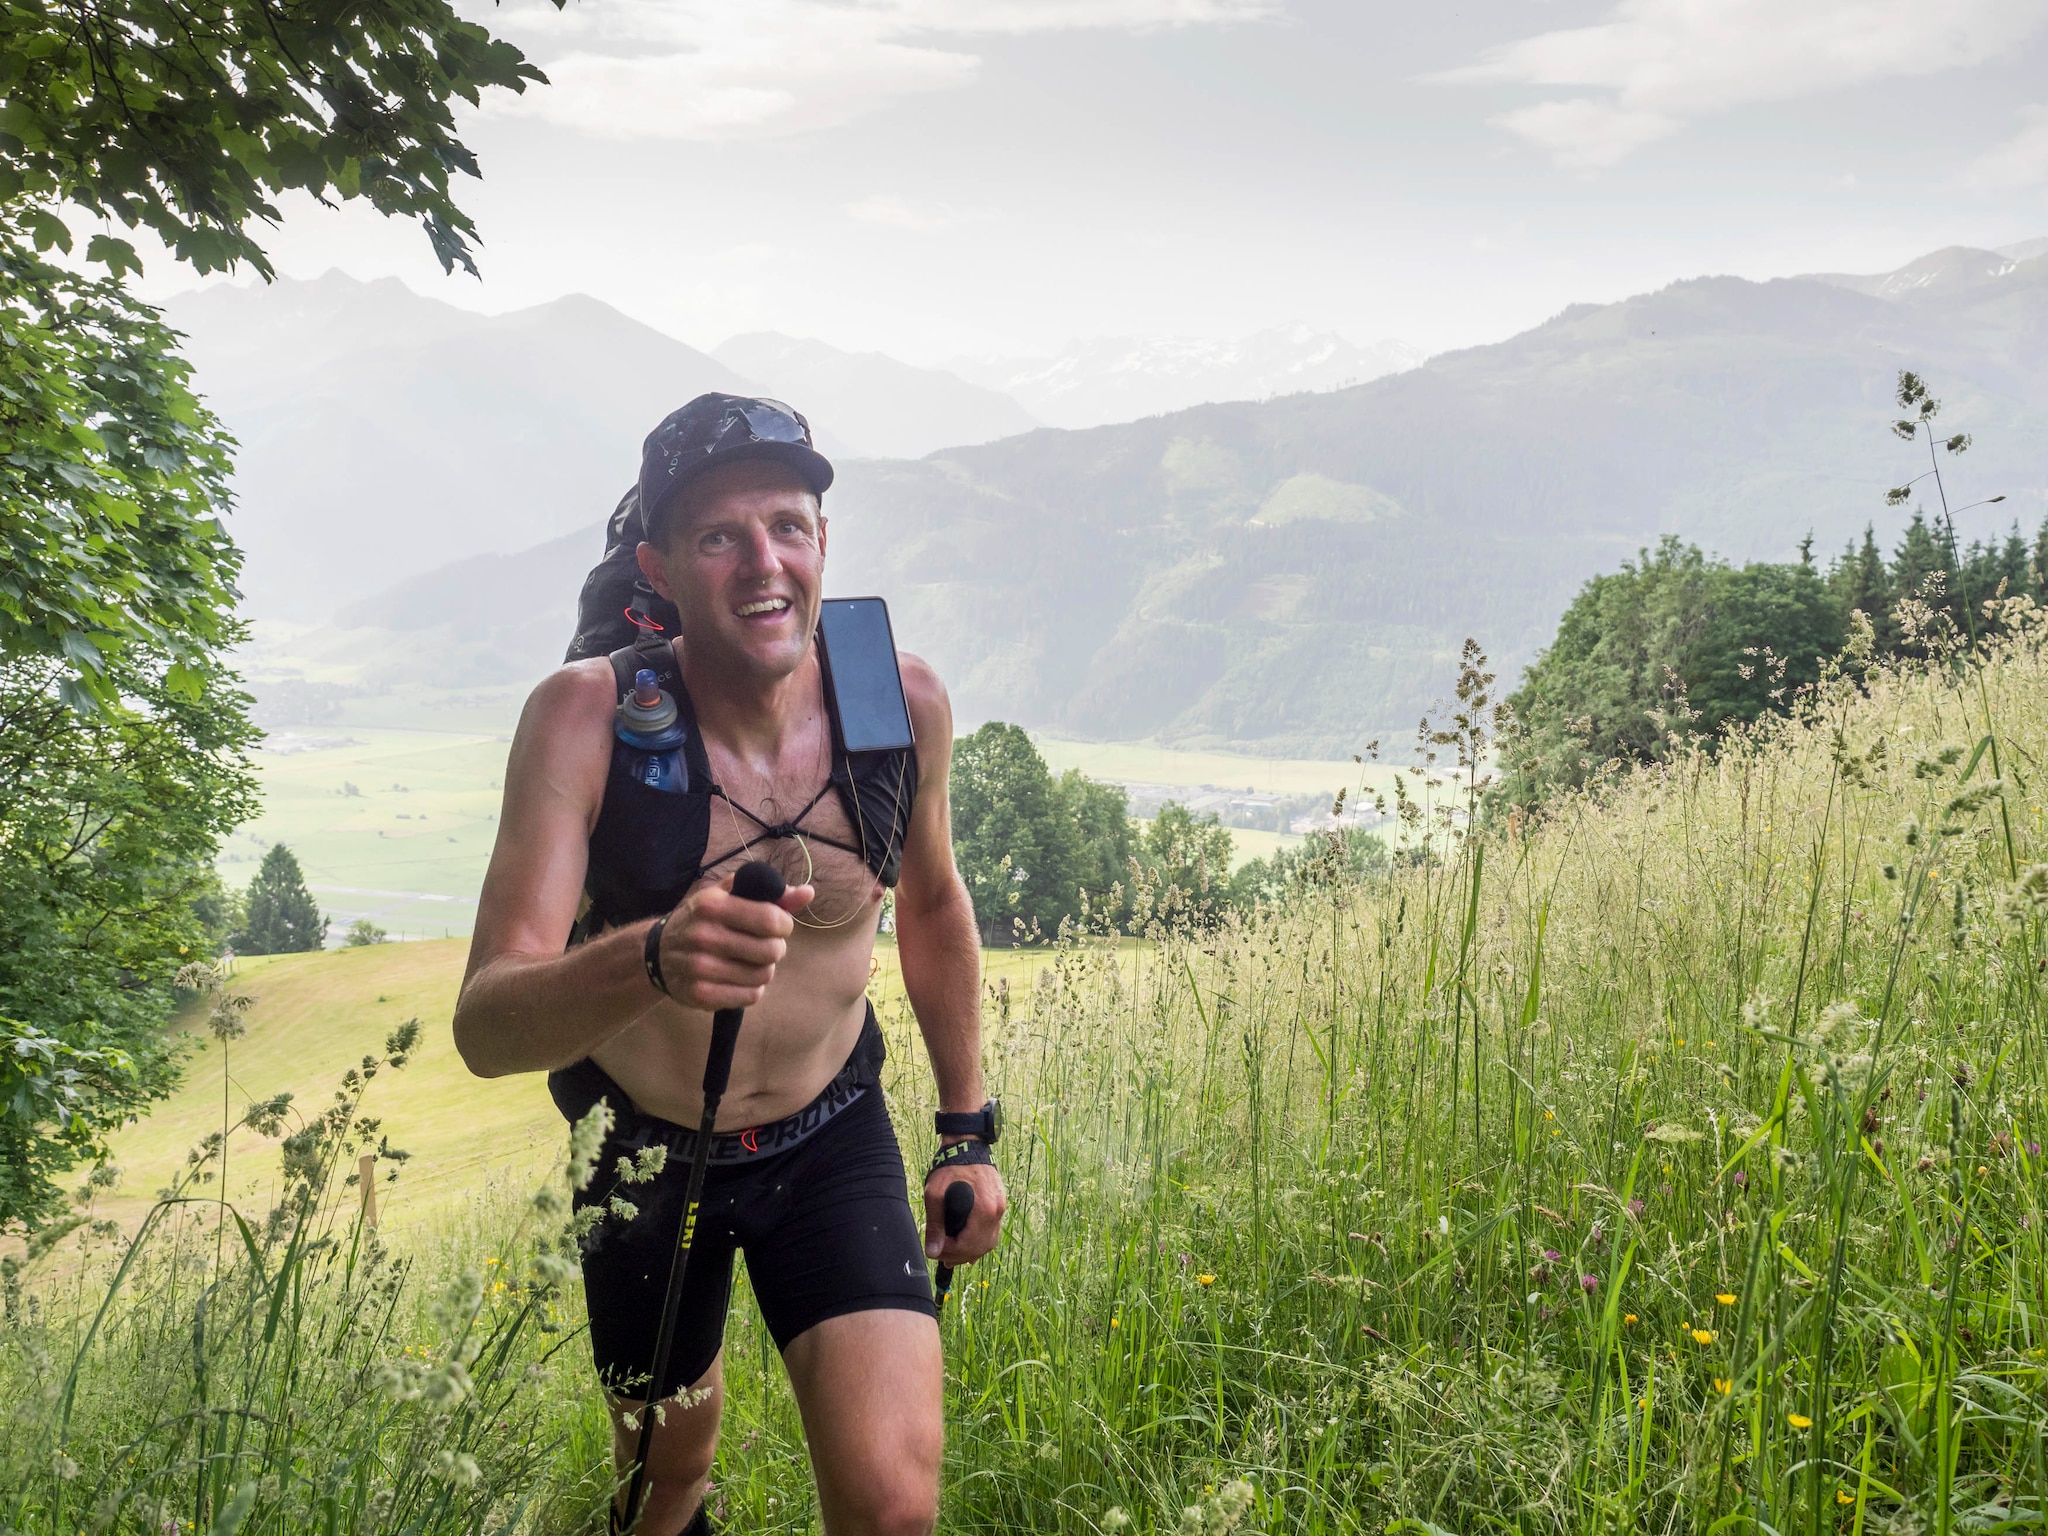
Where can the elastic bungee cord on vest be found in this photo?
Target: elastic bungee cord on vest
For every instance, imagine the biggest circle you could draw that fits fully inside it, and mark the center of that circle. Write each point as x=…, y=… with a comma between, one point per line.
x=792, y=831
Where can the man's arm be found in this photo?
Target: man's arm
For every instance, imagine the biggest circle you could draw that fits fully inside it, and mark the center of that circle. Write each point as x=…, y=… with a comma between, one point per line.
x=526, y=1005
x=939, y=947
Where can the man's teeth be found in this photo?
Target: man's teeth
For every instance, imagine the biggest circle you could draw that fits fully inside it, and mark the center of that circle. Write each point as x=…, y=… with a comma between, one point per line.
x=766, y=605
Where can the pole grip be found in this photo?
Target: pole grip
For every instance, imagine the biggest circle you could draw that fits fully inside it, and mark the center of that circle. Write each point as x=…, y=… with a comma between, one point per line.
x=955, y=1209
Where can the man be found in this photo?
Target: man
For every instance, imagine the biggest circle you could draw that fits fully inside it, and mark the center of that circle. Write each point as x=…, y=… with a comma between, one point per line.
x=805, y=1174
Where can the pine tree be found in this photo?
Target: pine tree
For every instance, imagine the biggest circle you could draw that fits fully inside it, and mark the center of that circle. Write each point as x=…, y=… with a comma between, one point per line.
x=282, y=917
x=1861, y=583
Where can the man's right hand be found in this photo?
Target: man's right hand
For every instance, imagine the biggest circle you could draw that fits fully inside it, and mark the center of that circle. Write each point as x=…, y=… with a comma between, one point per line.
x=720, y=951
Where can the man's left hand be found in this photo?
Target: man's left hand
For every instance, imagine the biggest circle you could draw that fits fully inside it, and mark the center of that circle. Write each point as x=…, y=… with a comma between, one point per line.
x=983, y=1227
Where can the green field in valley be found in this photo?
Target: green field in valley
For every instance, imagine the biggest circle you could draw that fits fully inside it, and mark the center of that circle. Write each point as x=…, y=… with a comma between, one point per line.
x=396, y=825
x=392, y=825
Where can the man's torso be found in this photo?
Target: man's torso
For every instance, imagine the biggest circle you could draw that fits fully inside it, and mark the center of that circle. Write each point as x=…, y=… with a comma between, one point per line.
x=803, y=1030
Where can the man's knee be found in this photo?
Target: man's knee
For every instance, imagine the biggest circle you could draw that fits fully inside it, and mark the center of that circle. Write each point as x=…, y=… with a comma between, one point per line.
x=898, y=1506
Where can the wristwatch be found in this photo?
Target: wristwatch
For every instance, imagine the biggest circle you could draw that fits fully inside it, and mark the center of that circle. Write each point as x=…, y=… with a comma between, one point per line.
x=984, y=1124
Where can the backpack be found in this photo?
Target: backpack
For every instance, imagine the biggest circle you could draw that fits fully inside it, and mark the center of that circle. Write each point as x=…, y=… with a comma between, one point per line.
x=615, y=591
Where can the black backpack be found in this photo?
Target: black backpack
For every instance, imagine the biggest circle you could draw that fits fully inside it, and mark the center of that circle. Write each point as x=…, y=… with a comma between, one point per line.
x=617, y=607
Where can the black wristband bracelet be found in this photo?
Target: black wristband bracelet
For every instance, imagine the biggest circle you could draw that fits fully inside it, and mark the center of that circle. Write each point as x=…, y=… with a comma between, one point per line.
x=962, y=1154
x=651, y=955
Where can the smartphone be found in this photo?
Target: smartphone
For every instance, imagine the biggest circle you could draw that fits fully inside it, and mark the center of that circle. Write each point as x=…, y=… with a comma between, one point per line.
x=859, y=653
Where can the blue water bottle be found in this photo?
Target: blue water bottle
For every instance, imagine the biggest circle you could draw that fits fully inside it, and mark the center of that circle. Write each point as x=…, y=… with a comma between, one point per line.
x=651, y=736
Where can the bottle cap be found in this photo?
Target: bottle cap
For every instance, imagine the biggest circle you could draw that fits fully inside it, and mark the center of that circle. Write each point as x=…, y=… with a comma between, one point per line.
x=647, y=710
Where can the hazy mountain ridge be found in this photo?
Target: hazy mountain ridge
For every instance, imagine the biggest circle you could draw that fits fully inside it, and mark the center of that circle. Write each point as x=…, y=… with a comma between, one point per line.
x=1294, y=576
x=383, y=433
x=891, y=409
x=1122, y=378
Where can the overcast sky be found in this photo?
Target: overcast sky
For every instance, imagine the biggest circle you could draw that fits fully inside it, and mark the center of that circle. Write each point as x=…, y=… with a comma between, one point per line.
x=932, y=178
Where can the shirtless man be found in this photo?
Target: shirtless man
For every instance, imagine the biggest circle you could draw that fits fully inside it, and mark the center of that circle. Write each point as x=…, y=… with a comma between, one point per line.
x=805, y=1175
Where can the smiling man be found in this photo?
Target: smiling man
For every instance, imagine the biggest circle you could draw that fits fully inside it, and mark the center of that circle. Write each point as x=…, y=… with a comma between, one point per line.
x=806, y=1177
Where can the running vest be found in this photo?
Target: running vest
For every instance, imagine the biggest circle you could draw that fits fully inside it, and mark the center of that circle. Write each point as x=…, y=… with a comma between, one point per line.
x=651, y=845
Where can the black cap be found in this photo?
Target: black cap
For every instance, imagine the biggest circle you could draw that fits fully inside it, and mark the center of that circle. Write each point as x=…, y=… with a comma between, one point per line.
x=717, y=429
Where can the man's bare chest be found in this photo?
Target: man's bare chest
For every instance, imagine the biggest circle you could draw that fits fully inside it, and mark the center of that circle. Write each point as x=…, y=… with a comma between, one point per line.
x=795, y=818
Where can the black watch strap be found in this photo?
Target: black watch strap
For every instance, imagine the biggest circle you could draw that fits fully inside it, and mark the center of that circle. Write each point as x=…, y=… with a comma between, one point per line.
x=985, y=1122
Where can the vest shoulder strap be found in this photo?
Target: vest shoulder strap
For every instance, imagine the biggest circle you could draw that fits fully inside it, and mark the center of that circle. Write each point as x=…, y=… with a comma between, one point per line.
x=653, y=652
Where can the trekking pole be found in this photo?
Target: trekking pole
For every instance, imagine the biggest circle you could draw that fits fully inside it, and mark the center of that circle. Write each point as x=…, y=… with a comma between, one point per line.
x=755, y=881
x=954, y=1211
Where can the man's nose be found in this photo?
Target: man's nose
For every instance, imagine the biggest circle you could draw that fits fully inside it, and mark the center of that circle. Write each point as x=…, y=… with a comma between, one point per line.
x=760, y=559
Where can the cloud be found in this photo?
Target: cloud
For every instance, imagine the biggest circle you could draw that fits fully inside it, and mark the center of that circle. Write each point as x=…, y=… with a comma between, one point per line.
x=1668, y=62
x=713, y=69
x=2020, y=162
x=896, y=213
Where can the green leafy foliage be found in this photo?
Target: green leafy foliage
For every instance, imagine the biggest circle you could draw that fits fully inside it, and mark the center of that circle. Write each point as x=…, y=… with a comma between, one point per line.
x=121, y=734
x=112, y=480
x=108, y=824
x=1672, y=645
x=185, y=117
x=1028, y=844
x=282, y=918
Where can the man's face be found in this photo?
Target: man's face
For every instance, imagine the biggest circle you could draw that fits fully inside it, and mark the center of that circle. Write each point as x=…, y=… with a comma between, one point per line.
x=743, y=559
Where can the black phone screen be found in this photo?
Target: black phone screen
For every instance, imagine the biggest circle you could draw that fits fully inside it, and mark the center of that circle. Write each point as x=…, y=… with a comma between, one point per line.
x=859, y=652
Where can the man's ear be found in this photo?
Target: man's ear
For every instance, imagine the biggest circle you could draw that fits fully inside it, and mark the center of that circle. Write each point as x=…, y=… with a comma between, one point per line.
x=651, y=567
x=822, y=525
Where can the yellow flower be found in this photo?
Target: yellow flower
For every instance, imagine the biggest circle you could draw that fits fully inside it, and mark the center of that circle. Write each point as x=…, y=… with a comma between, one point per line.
x=1726, y=1298
x=1549, y=1115
x=1708, y=1044
x=1628, y=1317
x=1555, y=1131
x=1116, y=1322
x=1798, y=1421
x=1844, y=1496
x=1703, y=1335
x=1721, y=1385
x=1681, y=1039
x=1205, y=1279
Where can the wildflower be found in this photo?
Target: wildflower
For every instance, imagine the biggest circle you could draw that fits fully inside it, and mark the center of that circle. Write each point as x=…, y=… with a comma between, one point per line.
x=1116, y=1322
x=1798, y=1421
x=1635, y=1209
x=1589, y=1283
x=1844, y=1496
x=1628, y=1317
x=1199, y=1280
x=1722, y=1385
x=1703, y=1335
x=1741, y=1179
x=1551, y=1255
x=1726, y=1298
x=1982, y=1171
x=1549, y=1115
x=1114, y=1518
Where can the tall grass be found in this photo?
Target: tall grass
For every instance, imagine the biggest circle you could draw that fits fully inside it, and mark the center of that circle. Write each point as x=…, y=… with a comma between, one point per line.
x=1671, y=1164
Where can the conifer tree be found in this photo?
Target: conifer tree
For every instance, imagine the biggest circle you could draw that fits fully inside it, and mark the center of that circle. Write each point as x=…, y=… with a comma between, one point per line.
x=282, y=917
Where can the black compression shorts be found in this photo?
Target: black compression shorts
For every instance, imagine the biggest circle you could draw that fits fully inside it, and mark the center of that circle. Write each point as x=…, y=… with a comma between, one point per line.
x=826, y=1227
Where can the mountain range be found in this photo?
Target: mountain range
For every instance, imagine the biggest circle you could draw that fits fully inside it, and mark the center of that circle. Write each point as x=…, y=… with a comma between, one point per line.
x=1293, y=576
x=1121, y=378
